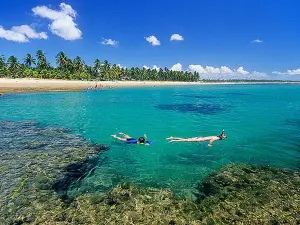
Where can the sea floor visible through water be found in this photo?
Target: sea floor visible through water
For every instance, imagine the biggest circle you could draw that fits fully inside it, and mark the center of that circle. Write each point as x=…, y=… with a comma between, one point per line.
x=261, y=121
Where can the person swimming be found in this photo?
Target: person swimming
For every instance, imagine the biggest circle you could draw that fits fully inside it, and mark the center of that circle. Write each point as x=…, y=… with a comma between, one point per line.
x=210, y=139
x=129, y=140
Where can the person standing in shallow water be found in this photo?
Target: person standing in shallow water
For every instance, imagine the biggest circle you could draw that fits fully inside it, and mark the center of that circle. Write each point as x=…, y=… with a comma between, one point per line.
x=210, y=139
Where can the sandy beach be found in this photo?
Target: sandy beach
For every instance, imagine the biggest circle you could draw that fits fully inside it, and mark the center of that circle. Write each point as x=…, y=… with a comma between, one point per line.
x=33, y=85
x=28, y=85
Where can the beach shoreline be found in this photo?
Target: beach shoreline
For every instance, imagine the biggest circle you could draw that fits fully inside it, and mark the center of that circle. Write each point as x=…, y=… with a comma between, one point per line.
x=39, y=85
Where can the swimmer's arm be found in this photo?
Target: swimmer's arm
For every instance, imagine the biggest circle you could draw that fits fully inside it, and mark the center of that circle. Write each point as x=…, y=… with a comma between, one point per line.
x=210, y=142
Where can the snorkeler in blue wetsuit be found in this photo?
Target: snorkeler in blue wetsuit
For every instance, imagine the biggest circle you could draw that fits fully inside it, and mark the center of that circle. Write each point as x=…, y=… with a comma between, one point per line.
x=129, y=140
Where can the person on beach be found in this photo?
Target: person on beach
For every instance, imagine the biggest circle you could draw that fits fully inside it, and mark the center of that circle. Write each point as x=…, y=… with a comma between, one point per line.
x=129, y=140
x=210, y=139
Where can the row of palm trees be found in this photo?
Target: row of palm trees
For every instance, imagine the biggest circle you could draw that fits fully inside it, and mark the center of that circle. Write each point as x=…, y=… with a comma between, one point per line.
x=76, y=69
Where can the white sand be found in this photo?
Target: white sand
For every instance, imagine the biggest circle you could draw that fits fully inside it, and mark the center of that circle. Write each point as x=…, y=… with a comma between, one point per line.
x=20, y=85
x=27, y=84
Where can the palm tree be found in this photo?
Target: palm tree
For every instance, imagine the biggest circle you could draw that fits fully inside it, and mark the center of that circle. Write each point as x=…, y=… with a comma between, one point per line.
x=29, y=60
x=2, y=66
x=62, y=60
x=105, y=70
x=78, y=64
x=2, y=62
x=42, y=63
x=76, y=69
x=12, y=62
x=97, y=70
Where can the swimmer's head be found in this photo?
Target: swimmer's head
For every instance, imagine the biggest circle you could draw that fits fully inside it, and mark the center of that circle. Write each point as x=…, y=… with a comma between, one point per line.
x=141, y=140
x=222, y=136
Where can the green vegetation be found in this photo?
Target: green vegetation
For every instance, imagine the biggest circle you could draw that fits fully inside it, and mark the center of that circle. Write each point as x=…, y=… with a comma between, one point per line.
x=76, y=69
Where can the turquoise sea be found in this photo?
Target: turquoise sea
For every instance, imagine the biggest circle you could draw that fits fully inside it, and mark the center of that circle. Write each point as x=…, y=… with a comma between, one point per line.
x=262, y=123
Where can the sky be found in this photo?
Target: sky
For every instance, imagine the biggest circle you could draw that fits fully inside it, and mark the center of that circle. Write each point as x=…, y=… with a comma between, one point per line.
x=251, y=39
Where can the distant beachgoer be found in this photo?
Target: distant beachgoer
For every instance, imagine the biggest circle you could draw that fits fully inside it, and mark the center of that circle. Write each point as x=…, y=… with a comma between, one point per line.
x=129, y=140
x=210, y=139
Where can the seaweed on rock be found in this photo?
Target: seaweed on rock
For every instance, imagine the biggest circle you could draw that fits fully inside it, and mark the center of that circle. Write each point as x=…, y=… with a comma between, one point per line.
x=237, y=194
x=251, y=194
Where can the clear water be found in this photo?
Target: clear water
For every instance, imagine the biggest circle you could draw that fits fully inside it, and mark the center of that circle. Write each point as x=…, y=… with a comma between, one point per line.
x=262, y=123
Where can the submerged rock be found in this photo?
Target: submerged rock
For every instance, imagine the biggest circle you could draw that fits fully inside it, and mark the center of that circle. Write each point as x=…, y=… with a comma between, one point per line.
x=34, y=162
x=246, y=193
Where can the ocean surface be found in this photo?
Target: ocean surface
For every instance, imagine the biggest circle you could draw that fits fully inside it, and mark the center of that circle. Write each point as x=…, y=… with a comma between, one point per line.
x=262, y=123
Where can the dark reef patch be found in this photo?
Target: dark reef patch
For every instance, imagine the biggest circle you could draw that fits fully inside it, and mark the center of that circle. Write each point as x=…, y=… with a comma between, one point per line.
x=199, y=108
x=36, y=160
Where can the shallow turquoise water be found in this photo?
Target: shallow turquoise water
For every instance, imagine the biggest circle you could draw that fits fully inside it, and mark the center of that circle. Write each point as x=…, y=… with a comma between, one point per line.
x=262, y=123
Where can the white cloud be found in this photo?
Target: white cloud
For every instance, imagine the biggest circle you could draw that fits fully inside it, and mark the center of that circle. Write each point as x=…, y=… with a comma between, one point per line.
x=12, y=35
x=257, y=41
x=177, y=67
x=225, y=73
x=278, y=73
x=29, y=32
x=294, y=72
x=109, y=42
x=259, y=74
x=120, y=66
x=153, y=40
x=197, y=68
x=288, y=72
x=176, y=37
x=241, y=70
x=21, y=34
x=226, y=70
x=287, y=75
x=63, y=24
x=155, y=67
x=211, y=69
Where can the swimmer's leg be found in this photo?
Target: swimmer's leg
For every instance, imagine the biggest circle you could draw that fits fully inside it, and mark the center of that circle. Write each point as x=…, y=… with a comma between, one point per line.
x=187, y=140
x=126, y=136
x=174, y=138
x=118, y=138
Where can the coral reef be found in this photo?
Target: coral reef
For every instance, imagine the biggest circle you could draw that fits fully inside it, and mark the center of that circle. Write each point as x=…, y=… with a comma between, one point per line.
x=39, y=164
x=33, y=159
x=247, y=194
